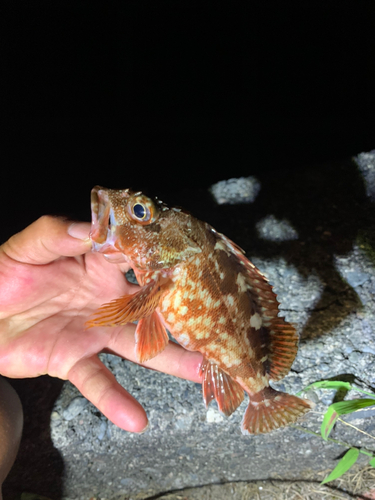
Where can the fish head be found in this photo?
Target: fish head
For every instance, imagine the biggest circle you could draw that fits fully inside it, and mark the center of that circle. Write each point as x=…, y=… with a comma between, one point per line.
x=146, y=232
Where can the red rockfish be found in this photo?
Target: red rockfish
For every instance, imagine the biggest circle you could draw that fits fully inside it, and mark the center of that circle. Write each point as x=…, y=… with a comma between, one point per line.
x=198, y=284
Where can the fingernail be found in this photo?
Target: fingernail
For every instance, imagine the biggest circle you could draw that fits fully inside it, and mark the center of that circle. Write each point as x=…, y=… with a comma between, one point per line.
x=80, y=231
x=115, y=258
x=145, y=429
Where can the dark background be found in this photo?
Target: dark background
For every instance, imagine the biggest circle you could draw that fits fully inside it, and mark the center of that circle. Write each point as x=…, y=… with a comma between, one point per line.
x=170, y=95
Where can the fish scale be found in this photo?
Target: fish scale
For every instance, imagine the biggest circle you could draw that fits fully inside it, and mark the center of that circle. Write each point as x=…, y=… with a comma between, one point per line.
x=198, y=284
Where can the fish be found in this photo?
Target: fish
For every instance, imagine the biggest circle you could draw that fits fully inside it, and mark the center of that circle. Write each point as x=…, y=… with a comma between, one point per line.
x=199, y=285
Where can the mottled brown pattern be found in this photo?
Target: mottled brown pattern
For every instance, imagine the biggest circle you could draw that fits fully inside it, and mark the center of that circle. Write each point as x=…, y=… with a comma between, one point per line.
x=209, y=296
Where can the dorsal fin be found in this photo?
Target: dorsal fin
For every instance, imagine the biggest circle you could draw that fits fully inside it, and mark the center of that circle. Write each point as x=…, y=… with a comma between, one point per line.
x=282, y=336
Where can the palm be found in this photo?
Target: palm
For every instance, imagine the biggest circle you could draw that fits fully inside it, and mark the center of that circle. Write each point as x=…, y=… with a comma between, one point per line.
x=44, y=308
x=49, y=337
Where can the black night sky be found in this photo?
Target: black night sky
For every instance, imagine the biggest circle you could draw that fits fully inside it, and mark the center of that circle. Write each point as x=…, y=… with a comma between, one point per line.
x=167, y=95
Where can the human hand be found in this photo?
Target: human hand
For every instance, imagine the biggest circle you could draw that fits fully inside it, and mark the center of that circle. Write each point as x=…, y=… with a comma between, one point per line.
x=50, y=284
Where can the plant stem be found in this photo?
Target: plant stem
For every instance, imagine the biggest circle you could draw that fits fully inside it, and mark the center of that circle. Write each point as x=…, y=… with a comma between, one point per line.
x=347, y=445
x=354, y=388
x=355, y=427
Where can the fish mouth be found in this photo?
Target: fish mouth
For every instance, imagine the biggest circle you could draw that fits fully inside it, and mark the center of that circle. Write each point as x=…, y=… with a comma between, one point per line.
x=102, y=220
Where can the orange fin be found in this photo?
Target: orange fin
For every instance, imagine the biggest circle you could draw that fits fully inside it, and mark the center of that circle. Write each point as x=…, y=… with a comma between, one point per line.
x=283, y=348
x=269, y=409
x=129, y=307
x=216, y=384
x=151, y=337
x=282, y=342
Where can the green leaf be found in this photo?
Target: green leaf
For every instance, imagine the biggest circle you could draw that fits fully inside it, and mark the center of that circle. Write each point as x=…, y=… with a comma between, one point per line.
x=344, y=407
x=341, y=408
x=372, y=462
x=327, y=384
x=334, y=384
x=329, y=421
x=344, y=465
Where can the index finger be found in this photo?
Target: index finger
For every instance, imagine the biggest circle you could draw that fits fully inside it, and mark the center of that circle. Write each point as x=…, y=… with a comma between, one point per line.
x=174, y=360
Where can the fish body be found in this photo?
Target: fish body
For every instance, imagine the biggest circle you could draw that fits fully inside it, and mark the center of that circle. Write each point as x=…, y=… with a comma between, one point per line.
x=199, y=285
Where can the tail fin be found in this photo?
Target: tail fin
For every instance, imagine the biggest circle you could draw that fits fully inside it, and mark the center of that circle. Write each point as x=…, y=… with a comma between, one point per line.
x=269, y=409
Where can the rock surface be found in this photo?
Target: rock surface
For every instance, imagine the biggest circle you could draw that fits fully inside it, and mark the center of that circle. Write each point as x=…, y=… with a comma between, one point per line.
x=311, y=233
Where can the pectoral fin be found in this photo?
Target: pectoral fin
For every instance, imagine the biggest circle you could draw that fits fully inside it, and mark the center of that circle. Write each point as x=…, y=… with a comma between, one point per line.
x=129, y=307
x=216, y=384
x=151, y=337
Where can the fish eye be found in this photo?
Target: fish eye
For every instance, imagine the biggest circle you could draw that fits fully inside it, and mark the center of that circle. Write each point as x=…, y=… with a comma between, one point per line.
x=140, y=211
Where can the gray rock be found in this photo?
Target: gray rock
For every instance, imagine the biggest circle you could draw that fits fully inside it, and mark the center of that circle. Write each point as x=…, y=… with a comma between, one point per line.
x=272, y=229
x=361, y=414
x=74, y=408
x=366, y=164
x=236, y=191
x=356, y=278
x=130, y=276
x=102, y=430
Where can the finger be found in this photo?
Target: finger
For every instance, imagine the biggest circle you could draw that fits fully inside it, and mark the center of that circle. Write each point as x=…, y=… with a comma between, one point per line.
x=177, y=361
x=174, y=360
x=100, y=387
x=47, y=239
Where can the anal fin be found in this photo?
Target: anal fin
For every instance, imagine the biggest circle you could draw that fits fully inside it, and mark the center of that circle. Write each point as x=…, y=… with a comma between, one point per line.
x=269, y=409
x=216, y=384
x=151, y=337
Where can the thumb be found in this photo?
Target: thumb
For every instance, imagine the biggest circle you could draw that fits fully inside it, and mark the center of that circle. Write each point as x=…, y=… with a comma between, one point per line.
x=47, y=239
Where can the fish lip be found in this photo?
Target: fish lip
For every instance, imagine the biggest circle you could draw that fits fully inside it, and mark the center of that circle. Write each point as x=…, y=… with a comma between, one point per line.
x=100, y=208
x=101, y=234
x=103, y=220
